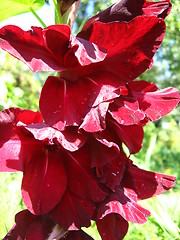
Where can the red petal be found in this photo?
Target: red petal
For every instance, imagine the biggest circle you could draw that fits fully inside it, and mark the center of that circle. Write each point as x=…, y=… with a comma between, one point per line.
x=12, y=141
x=121, y=11
x=112, y=227
x=71, y=50
x=95, y=119
x=131, y=136
x=24, y=116
x=110, y=88
x=69, y=139
x=144, y=100
x=122, y=203
x=112, y=172
x=130, y=46
x=29, y=226
x=156, y=104
x=127, y=10
x=49, y=49
x=9, y=160
x=160, y=9
x=81, y=177
x=58, y=96
x=57, y=42
x=104, y=86
x=10, y=117
x=73, y=212
x=44, y=181
x=85, y=52
x=49, y=101
x=142, y=86
x=29, y=47
x=103, y=151
x=148, y=184
x=125, y=111
x=78, y=235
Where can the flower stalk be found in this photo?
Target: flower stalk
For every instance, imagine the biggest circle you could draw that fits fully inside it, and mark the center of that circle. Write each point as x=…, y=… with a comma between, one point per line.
x=37, y=17
x=57, y=233
x=58, y=17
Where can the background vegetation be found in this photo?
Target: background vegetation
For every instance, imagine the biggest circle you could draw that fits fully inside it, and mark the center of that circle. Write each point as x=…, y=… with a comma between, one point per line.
x=161, y=148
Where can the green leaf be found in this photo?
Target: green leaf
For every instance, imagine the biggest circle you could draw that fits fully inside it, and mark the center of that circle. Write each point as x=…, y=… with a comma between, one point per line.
x=9, y=8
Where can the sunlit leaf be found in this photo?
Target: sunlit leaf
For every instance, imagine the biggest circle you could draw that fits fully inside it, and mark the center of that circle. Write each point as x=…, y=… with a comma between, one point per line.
x=11, y=8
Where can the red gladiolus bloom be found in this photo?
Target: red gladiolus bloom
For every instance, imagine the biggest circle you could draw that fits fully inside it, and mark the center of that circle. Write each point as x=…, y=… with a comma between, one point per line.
x=127, y=54
x=55, y=172
x=126, y=10
x=102, y=59
x=113, y=214
x=75, y=175
x=128, y=104
x=144, y=103
x=73, y=164
x=127, y=46
x=28, y=226
x=66, y=173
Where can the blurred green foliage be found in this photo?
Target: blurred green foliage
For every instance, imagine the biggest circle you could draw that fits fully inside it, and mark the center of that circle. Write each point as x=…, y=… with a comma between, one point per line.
x=10, y=200
x=161, y=147
x=19, y=86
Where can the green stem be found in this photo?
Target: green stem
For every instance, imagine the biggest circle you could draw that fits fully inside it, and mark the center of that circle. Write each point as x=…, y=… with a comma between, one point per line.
x=38, y=18
x=57, y=233
x=58, y=18
x=82, y=24
x=66, y=16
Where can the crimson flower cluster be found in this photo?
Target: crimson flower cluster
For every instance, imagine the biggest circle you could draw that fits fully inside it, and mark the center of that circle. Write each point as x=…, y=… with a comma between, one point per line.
x=71, y=155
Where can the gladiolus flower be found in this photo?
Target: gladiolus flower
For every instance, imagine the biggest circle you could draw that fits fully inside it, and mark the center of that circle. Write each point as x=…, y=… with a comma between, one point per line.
x=100, y=63
x=73, y=164
x=29, y=226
